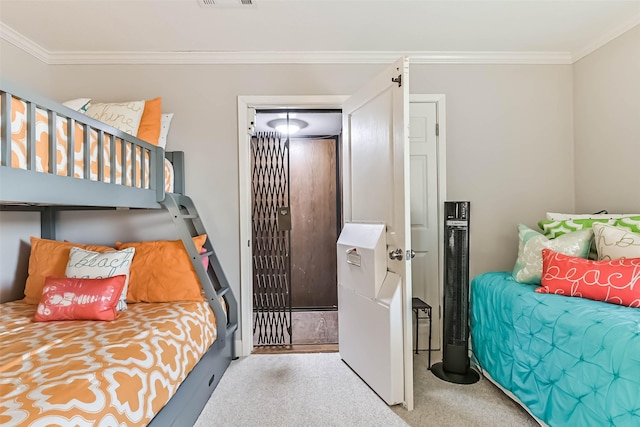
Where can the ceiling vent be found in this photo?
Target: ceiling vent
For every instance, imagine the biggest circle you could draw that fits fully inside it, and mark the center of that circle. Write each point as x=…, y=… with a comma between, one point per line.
x=226, y=3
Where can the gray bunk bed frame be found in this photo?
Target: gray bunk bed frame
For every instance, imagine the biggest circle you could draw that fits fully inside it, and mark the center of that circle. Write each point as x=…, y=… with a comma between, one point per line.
x=50, y=193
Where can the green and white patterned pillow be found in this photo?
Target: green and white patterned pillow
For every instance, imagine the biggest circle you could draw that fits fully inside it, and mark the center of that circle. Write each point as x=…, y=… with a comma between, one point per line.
x=554, y=228
x=528, y=268
x=631, y=223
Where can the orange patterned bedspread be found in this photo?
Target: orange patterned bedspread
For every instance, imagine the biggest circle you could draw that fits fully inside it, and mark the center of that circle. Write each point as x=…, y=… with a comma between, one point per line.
x=19, y=154
x=90, y=373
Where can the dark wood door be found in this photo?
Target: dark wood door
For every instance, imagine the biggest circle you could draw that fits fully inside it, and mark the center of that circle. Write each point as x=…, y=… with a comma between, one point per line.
x=314, y=217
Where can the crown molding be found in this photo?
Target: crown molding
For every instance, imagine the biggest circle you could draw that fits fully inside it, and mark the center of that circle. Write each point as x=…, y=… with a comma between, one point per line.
x=329, y=57
x=614, y=33
x=336, y=57
x=351, y=57
x=15, y=38
x=488, y=57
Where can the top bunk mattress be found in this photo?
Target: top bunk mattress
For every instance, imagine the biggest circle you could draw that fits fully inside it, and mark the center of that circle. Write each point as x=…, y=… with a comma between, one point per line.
x=571, y=361
x=109, y=159
x=95, y=372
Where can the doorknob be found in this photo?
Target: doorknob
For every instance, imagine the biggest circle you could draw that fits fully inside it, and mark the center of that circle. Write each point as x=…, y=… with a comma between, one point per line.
x=411, y=254
x=396, y=254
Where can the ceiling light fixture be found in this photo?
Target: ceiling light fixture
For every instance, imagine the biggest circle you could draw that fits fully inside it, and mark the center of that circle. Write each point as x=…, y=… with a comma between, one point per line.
x=287, y=126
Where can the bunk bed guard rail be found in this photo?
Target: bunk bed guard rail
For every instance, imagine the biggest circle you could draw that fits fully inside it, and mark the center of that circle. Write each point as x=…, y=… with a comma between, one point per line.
x=38, y=135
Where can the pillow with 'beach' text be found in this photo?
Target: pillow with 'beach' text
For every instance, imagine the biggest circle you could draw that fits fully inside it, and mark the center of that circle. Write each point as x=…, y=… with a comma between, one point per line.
x=86, y=264
x=612, y=281
x=615, y=242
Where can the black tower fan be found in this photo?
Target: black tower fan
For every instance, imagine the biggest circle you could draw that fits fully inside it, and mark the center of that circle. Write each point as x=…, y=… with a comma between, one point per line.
x=455, y=359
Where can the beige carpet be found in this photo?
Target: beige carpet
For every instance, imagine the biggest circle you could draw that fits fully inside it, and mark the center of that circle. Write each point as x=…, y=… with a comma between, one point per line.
x=313, y=389
x=443, y=404
x=321, y=390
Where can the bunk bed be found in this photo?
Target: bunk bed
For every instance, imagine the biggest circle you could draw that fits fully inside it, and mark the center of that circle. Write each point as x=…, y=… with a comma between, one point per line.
x=55, y=159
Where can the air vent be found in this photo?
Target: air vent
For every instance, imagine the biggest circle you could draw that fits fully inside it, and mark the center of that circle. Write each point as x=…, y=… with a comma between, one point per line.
x=226, y=3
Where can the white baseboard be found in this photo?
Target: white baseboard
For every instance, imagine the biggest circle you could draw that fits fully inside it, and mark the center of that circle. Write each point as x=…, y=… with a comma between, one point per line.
x=238, y=344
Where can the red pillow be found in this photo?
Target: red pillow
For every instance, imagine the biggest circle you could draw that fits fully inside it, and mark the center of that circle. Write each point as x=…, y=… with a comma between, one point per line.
x=65, y=298
x=615, y=281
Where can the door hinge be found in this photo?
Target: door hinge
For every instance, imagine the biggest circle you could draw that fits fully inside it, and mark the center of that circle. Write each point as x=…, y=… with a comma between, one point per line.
x=437, y=129
x=439, y=312
x=397, y=80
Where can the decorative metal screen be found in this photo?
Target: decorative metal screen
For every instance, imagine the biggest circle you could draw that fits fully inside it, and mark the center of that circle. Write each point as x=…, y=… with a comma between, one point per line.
x=271, y=240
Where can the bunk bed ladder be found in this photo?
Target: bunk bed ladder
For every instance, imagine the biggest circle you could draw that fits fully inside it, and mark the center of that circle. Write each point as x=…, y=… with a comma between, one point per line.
x=214, y=282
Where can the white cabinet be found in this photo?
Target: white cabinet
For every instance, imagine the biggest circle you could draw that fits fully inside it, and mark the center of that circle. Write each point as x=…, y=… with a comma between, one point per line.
x=370, y=310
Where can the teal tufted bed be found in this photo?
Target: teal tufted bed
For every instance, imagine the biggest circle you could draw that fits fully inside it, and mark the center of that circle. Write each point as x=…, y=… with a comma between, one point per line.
x=569, y=361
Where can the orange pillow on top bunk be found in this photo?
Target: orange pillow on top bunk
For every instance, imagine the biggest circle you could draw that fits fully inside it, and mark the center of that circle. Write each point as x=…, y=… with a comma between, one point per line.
x=149, y=129
x=50, y=258
x=161, y=271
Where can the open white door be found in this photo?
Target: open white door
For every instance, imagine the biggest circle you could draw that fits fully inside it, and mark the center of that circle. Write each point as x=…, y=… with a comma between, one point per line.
x=376, y=180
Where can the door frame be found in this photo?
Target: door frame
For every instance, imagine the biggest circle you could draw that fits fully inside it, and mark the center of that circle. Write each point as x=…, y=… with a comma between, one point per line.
x=244, y=344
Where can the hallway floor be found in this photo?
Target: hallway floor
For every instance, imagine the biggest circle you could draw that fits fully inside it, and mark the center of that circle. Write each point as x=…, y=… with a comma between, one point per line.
x=313, y=331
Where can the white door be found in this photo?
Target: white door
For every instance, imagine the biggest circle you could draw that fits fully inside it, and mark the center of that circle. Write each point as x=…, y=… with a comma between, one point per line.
x=424, y=216
x=376, y=178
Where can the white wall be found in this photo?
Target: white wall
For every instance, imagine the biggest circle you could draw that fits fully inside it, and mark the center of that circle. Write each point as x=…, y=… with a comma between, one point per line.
x=23, y=71
x=204, y=101
x=505, y=123
x=509, y=148
x=509, y=130
x=15, y=230
x=607, y=126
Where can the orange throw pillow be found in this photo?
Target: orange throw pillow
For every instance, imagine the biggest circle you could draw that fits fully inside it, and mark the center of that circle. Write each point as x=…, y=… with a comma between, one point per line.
x=149, y=129
x=70, y=298
x=50, y=258
x=161, y=271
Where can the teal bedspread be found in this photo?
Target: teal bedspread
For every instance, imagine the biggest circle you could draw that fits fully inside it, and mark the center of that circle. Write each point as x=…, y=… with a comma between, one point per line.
x=571, y=361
